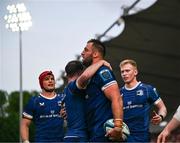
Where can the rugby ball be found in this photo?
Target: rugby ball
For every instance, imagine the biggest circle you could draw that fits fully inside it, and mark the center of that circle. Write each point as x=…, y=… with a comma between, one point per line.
x=109, y=124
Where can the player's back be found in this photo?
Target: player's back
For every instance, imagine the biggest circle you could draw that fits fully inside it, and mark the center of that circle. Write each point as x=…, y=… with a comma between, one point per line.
x=74, y=104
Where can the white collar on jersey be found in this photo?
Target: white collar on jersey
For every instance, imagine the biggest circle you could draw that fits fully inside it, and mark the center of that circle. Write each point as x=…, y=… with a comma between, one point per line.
x=48, y=97
x=132, y=87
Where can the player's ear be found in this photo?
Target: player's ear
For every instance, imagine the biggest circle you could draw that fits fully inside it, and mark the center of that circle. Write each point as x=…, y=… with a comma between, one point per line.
x=135, y=71
x=95, y=53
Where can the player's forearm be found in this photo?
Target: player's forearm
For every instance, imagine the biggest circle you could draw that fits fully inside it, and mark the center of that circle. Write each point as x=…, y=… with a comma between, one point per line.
x=117, y=108
x=173, y=124
x=91, y=70
x=88, y=73
x=24, y=130
x=24, y=133
x=113, y=94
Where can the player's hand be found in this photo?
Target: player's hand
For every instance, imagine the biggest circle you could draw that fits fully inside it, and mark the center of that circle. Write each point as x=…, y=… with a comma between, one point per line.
x=63, y=113
x=105, y=63
x=162, y=138
x=156, y=119
x=114, y=134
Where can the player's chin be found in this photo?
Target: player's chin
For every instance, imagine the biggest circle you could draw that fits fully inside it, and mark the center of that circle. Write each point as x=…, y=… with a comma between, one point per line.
x=50, y=89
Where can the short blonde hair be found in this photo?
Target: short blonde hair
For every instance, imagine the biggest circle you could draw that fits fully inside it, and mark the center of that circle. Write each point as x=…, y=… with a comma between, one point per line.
x=128, y=61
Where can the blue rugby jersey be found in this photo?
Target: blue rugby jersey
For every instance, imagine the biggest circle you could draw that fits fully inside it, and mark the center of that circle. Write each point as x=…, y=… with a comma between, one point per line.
x=75, y=109
x=45, y=114
x=98, y=106
x=137, y=103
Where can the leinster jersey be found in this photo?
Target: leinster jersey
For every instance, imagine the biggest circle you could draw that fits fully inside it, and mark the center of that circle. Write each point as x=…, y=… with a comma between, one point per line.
x=75, y=110
x=45, y=114
x=98, y=107
x=137, y=103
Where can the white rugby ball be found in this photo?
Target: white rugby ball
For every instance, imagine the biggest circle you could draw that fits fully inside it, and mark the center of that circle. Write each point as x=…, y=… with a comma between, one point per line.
x=109, y=124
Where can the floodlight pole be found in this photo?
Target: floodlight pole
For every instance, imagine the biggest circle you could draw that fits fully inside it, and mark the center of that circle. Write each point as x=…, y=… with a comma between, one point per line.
x=19, y=20
x=20, y=83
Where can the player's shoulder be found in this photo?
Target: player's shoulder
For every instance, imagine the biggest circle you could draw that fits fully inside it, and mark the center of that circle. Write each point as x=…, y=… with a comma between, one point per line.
x=103, y=68
x=105, y=73
x=146, y=85
x=60, y=95
x=71, y=84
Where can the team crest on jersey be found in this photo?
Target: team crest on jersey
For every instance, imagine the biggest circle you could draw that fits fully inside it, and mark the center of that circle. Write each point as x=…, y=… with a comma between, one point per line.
x=41, y=103
x=139, y=92
x=105, y=74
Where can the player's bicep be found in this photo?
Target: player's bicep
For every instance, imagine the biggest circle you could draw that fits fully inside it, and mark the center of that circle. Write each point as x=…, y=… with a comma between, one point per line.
x=82, y=82
x=112, y=91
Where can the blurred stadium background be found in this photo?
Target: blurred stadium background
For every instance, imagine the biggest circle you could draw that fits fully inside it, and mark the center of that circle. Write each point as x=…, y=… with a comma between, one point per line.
x=152, y=39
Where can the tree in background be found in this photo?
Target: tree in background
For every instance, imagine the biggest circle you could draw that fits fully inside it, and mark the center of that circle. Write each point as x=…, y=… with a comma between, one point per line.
x=3, y=102
x=10, y=125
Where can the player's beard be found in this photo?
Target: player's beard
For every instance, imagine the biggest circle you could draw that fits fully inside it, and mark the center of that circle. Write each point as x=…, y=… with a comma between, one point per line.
x=49, y=90
x=87, y=62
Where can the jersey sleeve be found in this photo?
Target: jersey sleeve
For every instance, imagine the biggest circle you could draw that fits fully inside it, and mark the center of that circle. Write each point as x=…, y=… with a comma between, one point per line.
x=105, y=78
x=29, y=109
x=153, y=95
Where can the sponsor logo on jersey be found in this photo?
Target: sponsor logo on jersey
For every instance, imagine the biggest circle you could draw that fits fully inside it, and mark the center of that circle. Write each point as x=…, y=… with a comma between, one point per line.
x=139, y=92
x=41, y=103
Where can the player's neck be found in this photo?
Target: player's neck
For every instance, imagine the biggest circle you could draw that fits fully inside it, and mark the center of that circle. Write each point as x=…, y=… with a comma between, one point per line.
x=72, y=78
x=131, y=84
x=48, y=94
x=97, y=59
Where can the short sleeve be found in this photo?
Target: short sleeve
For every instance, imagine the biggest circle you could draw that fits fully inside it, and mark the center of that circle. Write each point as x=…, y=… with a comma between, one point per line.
x=29, y=108
x=153, y=95
x=105, y=77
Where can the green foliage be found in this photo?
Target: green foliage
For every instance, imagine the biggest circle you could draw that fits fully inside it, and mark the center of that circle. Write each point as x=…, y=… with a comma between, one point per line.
x=10, y=125
x=3, y=100
x=13, y=102
x=2, y=97
x=9, y=128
